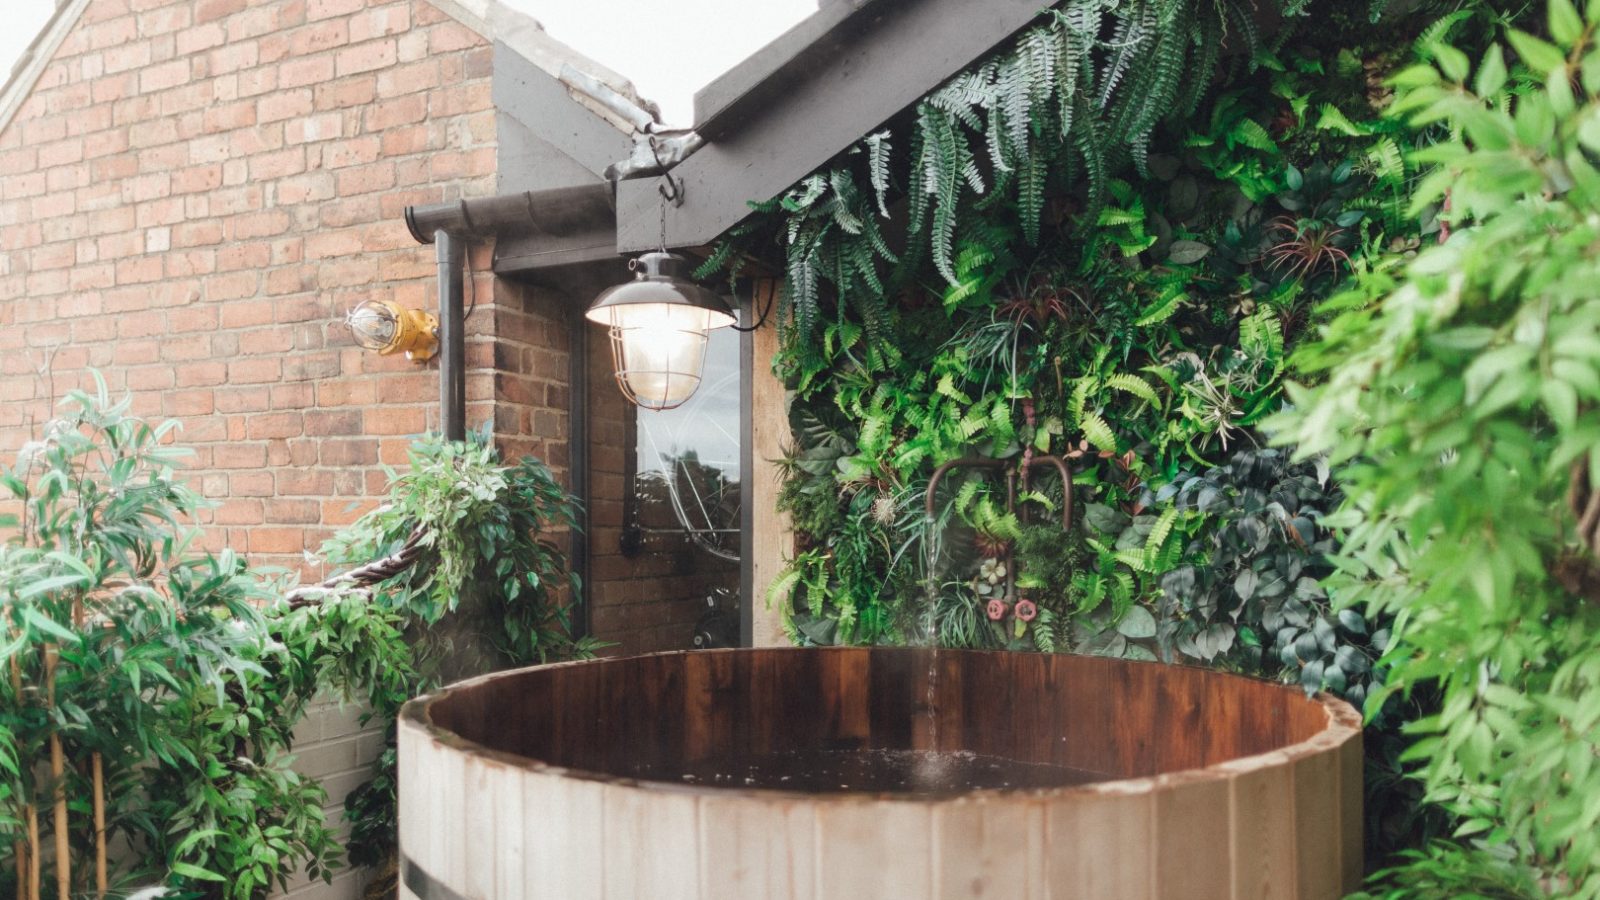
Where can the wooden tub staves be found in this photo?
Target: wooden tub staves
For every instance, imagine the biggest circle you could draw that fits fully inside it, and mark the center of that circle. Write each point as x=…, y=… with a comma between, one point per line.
x=1222, y=787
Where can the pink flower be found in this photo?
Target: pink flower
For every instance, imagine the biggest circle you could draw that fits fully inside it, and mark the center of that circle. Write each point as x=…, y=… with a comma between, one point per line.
x=997, y=609
x=1027, y=610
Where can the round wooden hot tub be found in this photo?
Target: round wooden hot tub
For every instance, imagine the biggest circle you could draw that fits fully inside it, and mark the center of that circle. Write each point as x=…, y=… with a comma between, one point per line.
x=526, y=784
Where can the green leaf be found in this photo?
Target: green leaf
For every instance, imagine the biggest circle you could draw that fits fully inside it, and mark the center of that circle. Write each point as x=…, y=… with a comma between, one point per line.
x=1539, y=55
x=1566, y=26
x=1137, y=624
x=49, y=585
x=1352, y=621
x=1187, y=252
x=1561, y=401
x=1491, y=73
x=189, y=870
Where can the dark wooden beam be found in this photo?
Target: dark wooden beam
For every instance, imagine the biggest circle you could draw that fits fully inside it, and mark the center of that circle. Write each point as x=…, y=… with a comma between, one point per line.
x=795, y=113
x=548, y=110
x=722, y=106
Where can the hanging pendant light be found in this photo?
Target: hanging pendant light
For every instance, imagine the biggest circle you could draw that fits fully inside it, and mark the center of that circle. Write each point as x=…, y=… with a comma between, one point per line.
x=660, y=323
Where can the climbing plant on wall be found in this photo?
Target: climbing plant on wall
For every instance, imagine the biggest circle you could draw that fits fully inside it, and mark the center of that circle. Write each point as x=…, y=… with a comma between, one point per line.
x=1044, y=257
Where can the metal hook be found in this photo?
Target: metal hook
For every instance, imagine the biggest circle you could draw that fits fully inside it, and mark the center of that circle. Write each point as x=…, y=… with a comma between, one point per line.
x=672, y=188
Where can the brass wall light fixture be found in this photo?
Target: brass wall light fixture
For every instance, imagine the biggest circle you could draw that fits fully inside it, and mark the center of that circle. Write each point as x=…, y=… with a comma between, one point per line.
x=388, y=327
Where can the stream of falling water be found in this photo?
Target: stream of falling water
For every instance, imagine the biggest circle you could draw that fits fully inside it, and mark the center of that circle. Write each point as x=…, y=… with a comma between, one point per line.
x=931, y=541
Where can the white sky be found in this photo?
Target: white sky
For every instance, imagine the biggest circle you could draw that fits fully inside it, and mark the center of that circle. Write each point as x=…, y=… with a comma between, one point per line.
x=668, y=48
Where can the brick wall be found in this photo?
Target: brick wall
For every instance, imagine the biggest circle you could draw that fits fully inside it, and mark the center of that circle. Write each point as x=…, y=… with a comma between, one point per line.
x=331, y=746
x=190, y=199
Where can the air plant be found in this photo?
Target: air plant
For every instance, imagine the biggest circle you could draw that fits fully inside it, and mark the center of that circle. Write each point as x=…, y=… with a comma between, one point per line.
x=1315, y=236
x=1308, y=247
x=1039, y=305
x=991, y=546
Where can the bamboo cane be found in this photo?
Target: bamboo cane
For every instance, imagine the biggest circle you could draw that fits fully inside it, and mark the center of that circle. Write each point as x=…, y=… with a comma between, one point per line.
x=58, y=767
x=19, y=849
x=27, y=851
x=33, y=841
x=100, y=879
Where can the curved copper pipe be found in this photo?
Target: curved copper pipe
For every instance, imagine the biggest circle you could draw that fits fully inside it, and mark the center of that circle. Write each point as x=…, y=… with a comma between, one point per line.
x=1011, y=497
x=1066, y=485
x=971, y=462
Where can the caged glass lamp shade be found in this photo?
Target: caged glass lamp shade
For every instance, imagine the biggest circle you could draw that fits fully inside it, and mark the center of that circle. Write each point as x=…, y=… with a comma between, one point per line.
x=660, y=323
x=388, y=327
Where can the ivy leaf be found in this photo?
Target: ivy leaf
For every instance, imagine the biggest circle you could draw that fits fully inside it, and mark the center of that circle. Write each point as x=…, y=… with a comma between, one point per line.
x=1186, y=252
x=1137, y=623
x=1352, y=621
x=1244, y=584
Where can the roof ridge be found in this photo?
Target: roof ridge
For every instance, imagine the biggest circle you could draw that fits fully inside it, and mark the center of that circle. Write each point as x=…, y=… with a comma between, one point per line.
x=31, y=64
x=491, y=19
x=496, y=21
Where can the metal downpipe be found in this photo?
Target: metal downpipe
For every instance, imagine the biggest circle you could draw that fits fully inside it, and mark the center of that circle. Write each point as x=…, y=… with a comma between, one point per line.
x=452, y=339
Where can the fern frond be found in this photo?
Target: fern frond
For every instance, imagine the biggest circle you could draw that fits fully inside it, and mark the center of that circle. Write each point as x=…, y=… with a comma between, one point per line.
x=1098, y=433
x=1133, y=384
x=878, y=149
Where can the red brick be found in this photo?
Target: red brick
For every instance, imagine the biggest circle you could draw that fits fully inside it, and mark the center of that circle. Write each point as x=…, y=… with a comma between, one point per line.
x=294, y=512
x=163, y=75
x=243, y=399
x=238, y=512
x=394, y=420
x=301, y=72
x=274, y=425
x=365, y=57
x=239, y=456
x=322, y=35
x=212, y=10
x=346, y=92
x=231, y=286
x=277, y=540
x=283, y=105
x=206, y=373
x=351, y=151
x=254, y=371
x=325, y=9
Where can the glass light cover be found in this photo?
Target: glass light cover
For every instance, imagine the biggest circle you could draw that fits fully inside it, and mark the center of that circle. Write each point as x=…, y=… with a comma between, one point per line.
x=659, y=325
x=373, y=325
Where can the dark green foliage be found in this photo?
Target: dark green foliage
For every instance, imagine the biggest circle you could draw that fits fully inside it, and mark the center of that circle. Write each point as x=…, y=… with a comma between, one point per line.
x=484, y=595
x=1122, y=289
x=1251, y=592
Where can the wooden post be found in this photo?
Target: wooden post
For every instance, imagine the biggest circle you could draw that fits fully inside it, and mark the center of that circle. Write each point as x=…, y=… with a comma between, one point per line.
x=771, y=537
